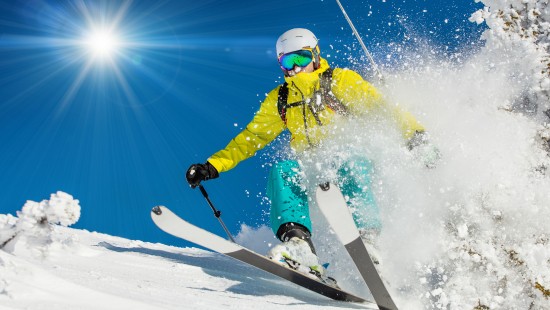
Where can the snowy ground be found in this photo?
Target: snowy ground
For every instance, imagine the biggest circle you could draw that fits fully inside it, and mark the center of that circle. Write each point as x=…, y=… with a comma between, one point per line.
x=86, y=270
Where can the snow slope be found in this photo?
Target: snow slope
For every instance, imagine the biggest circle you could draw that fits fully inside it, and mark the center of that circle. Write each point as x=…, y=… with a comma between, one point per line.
x=88, y=270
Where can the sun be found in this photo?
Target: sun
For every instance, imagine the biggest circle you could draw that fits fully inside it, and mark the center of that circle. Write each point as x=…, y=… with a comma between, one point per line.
x=102, y=43
x=101, y=46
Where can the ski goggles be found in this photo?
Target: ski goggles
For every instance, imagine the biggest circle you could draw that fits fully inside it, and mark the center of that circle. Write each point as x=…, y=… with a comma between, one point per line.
x=300, y=58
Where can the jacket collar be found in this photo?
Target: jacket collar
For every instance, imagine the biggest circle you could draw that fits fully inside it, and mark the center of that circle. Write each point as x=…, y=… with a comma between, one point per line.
x=308, y=82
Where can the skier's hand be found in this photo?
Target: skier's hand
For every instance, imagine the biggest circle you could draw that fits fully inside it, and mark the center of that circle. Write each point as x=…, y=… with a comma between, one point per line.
x=200, y=172
x=423, y=150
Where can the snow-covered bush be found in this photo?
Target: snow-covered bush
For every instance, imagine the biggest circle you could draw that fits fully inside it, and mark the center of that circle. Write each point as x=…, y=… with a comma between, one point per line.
x=7, y=228
x=34, y=221
x=60, y=209
x=522, y=28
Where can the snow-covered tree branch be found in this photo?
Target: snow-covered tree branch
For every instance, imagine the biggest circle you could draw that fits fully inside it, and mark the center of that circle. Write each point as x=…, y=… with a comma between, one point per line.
x=522, y=28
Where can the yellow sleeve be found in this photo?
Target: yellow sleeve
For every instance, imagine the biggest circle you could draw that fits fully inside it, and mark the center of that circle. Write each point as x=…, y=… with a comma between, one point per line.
x=264, y=128
x=360, y=97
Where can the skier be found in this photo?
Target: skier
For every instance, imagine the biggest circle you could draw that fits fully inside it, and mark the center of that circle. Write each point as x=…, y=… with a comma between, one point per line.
x=311, y=99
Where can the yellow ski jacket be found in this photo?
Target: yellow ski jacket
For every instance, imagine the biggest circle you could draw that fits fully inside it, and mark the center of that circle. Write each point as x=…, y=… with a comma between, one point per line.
x=356, y=94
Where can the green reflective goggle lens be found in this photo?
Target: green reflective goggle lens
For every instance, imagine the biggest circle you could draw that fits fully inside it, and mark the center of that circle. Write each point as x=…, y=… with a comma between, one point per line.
x=299, y=58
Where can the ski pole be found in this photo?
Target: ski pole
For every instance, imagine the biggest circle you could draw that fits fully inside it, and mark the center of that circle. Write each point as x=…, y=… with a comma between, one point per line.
x=217, y=213
x=373, y=63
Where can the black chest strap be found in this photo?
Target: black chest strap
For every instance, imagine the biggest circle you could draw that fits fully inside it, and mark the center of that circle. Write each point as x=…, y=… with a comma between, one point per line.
x=327, y=97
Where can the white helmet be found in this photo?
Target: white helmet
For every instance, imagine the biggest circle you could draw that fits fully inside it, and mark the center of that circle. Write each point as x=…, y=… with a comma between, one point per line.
x=294, y=40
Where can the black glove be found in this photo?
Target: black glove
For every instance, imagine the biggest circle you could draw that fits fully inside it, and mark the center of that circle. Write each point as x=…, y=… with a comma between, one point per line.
x=200, y=172
x=423, y=150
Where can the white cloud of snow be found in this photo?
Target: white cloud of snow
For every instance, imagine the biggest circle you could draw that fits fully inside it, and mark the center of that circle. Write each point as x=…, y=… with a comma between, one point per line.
x=473, y=232
x=259, y=239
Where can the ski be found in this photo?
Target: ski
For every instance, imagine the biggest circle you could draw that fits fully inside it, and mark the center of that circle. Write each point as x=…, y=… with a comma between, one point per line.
x=169, y=222
x=334, y=207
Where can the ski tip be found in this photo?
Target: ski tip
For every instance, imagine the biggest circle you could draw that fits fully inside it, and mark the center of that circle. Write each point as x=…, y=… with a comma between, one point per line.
x=157, y=210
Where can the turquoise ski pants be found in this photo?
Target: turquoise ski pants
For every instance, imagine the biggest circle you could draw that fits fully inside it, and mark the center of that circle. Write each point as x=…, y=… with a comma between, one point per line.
x=289, y=200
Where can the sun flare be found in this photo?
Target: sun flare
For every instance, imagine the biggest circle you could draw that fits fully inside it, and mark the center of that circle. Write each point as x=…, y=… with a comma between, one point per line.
x=102, y=43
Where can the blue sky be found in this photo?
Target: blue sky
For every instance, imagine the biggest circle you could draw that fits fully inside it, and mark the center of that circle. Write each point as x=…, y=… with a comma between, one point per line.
x=119, y=133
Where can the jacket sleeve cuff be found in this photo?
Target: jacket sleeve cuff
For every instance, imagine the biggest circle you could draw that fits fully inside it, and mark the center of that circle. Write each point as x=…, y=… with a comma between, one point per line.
x=216, y=164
